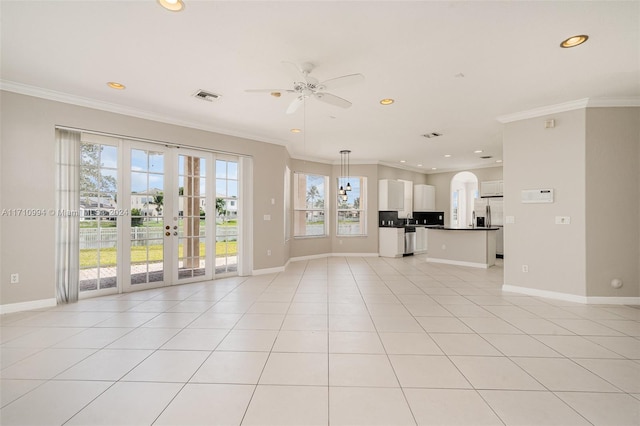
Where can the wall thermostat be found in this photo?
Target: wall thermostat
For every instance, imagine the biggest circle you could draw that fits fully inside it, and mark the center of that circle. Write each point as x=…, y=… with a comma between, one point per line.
x=537, y=196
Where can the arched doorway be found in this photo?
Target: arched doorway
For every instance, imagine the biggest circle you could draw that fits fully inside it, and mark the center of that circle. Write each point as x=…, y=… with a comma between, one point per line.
x=464, y=189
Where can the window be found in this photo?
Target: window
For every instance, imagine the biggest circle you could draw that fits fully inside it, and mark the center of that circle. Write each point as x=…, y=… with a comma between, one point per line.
x=287, y=203
x=310, y=206
x=352, y=212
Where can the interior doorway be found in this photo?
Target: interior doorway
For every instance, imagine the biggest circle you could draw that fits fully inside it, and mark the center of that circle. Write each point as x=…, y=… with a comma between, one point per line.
x=464, y=190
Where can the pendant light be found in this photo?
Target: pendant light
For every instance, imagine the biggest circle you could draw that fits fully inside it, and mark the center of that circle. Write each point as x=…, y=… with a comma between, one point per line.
x=347, y=152
x=341, y=190
x=344, y=167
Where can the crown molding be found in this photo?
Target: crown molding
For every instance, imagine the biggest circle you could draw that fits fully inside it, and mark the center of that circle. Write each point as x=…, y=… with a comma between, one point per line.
x=570, y=106
x=546, y=110
x=53, y=95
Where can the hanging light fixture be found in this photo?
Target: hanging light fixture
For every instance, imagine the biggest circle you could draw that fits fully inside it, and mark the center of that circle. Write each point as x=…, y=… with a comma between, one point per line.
x=344, y=173
x=347, y=153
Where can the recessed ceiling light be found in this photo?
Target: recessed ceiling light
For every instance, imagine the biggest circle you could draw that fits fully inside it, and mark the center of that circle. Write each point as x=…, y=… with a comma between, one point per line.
x=574, y=41
x=296, y=130
x=498, y=161
x=447, y=155
x=172, y=5
x=403, y=161
x=419, y=165
x=434, y=168
x=276, y=94
x=386, y=101
x=116, y=85
x=477, y=151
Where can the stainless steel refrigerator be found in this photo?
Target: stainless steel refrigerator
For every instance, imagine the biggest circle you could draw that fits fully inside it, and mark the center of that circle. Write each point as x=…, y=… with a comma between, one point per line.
x=492, y=213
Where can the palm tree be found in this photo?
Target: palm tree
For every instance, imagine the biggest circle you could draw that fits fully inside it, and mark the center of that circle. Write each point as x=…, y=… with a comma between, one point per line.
x=221, y=208
x=312, y=194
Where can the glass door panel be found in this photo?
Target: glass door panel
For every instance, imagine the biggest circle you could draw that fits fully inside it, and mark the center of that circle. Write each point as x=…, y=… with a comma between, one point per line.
x=99, y=215
x=146, y=239
x=192, y=207
x=226, y=216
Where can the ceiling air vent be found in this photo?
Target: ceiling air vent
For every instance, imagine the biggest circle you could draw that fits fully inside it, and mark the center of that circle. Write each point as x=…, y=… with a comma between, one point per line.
x=207, y=96
x=432, y=135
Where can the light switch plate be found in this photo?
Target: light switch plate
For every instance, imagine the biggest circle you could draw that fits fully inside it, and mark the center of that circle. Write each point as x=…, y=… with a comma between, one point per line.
x=563, y=220
x=267, y=217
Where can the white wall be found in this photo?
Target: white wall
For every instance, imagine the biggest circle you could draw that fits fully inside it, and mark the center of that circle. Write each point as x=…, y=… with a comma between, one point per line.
x=613, y=212
x=591, y=161
x=535, y=158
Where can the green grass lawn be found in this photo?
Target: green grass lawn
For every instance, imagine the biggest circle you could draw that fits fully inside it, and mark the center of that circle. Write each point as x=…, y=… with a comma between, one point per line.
x=89, y=257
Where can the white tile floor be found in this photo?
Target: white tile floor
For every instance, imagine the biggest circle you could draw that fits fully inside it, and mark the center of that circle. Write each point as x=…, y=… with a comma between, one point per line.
x=340, y=341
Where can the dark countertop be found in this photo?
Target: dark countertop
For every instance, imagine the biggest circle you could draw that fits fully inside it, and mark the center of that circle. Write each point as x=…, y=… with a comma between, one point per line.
x=478, y=228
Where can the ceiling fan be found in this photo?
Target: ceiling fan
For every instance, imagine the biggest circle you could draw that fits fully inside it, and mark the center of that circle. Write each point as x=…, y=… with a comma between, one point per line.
x=306, y=86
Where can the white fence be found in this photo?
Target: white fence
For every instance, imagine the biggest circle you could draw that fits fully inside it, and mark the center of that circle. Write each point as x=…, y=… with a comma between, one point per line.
x=92, y=238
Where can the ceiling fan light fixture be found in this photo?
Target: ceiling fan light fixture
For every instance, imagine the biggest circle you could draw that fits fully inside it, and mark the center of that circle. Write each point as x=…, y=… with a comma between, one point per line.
x=172, y=5
x=296, y=131
x=574, y=41
x=386, y=101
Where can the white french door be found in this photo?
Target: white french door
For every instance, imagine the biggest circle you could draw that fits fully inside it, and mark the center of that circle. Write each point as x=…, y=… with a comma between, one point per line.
x=148, y=215
x=166, y=240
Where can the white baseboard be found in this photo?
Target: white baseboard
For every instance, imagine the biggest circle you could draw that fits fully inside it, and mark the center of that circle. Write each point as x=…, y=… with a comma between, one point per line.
x=586, y=300
x=27, y=306
x=458, y=263
x=266, y=271
x=354, y=255
x=325, y=255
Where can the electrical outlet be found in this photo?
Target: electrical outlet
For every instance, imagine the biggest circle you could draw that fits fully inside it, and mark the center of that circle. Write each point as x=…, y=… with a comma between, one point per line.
x=525, y=268
x=268, y=252
x=15, y=278
x=563, y=220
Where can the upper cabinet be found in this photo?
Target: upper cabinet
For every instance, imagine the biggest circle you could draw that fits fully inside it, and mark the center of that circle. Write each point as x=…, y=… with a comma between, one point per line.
x=424, y=198
x=407, y=211
x=390, y=195
x=492, y=188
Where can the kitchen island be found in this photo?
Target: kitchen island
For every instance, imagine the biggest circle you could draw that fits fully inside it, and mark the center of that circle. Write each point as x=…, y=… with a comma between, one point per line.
x=475, y=247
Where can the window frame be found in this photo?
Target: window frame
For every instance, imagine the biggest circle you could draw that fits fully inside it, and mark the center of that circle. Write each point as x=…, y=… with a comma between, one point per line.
x=362, y=208
x=296, y=203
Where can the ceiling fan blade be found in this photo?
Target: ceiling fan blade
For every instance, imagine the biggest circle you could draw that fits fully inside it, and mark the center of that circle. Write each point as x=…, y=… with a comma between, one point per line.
x=345, y=80
x=295, y=104
x=332, y=99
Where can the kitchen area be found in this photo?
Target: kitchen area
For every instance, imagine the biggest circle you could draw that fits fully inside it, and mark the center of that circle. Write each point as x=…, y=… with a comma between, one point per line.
x=409, y=224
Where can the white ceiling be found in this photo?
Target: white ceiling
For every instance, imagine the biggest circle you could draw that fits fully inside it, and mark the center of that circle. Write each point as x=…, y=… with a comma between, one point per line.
x=411, y=51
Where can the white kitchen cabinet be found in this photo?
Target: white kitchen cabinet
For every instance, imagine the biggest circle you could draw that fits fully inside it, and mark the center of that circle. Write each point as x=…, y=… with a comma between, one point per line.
x=491, y=188
x=390, y=195
x=407, y=211
x=421, y=239
x=391, y=242
x=424, y=198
